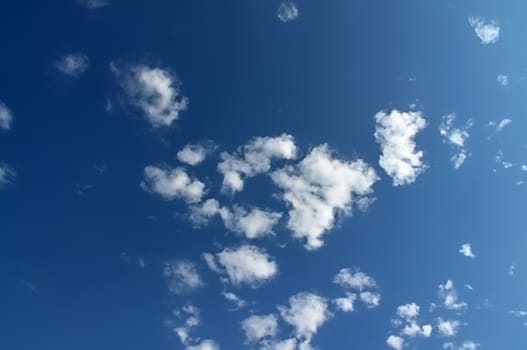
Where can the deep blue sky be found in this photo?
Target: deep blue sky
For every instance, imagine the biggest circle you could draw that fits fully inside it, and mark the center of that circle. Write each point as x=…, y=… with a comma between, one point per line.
x=75, y=222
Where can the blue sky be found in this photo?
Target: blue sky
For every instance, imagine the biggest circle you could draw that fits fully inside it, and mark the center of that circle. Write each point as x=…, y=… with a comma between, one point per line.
x=270, y=175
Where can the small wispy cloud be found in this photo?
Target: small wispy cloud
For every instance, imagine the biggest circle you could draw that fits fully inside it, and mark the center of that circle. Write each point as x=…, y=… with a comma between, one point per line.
x=6, y=117
x=287, y=12
x=73, y=64
x=503, y=80
x=487, y=32
x=94, y=4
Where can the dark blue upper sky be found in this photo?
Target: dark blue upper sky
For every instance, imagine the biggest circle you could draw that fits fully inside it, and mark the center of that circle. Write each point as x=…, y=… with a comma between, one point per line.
x=113, y=239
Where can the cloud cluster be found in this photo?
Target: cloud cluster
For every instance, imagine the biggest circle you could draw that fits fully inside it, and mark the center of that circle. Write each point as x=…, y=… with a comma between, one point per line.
x=488, y=33
x=409, y=326
x=254, y=158
x=154, y=91
x=395, y=132
x=73, y=64
x=245, y=264
x=287, y=12
x=190, y=315
x=172, y=183
x=356, y=283
x=449, y=297
x=319, y=188
x=456, y=137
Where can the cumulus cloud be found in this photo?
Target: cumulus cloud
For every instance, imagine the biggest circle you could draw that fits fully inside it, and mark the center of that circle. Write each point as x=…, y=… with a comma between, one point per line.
x=354, y=279
x=447, y=328
x=395, y=132
x=408, y=311
x=172, y=183
x=449, y=297
x=254, y=158
x=94, y=4
x=487, y=32
x=346, y=304
x=154, y=91
x=306, y=312
x=193, y=154
x=252, y=223
x=456, y=138
x=258, y=327
x=245, y=264
x=395, y=342
x=287, y=11
x=503, y=80
x=318, y=189
x=204, y=345
x=7, y=174
x=466, y=250
x=182, y=276
x=73, y=64
x=236, y=300
x=371, y=299
x=6, y=117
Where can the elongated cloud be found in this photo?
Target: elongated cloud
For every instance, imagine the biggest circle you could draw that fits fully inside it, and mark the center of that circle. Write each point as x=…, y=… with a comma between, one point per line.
x=487, y=32
x=395, y=132
x=172, y=183
x=254, y=158
x=154, y=91
x=354, y=279
x=246, y=264
x=318, y=189
x=7, y=174
x=6, y=117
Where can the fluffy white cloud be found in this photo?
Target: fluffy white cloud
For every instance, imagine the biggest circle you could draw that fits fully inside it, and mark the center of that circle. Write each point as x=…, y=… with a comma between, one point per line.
x=320, y=187
x=253, y=159
x=6, y=117
x=253, y=223
x=448, y=294
x=447, y=328
x=345, y=304
x=94, y=4
x=355, y=279
x=246, y=264
x=395, y=132
x=172, y=183
x=259, y=327
x=287, y=11
x=73, y=64
x=456, y=137
x=190, y=315
x=413, y=330
x=395, y=342
x=371, y=299
x=155, y=91
x=306, y=313
x=408, y=311
x=503, y=80
x=182, y=276
x=466, y=250
x=6, y=175
x=194, y=154
x=488, y=33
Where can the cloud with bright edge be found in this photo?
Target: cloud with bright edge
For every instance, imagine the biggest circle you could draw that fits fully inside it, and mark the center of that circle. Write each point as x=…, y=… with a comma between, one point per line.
x=456, y=137
x=319, y=188
x=395, y=133
x=172, y=183
x=258, y=327
x=254, y=158
x=395, y=342
x=6, y=117
x=182, y=276
x=466, y=250
x=73, y=64
x=245, y=264
x=153, y=90
x=487, y=32
x=287, y=12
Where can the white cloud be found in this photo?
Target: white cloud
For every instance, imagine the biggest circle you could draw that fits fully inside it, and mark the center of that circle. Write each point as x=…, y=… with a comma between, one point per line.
x=447, y=328
x=408, y=311
x=488, y=33
x=246, y=264
x=94, y=4
x=345, y=304
x=7, y=175
x=192, y=154
x=413, y=330
x=238, y=302
x=253, y=223
x=191, y=319
x=395, y=342
x=354, y=279
x=287, y=11
x=204, y=345
x=503, y=80
x=371, y=299
x=512, y=267
x=253, y=159
x=306, y=313
x=73, y=64
x=503, y=124
x=466, y=250
x=318, y=189
x=448, y=294
x=258, y=327
x=6, y=117
x=500, y=159
x=173, y=183
x=395, y=132
x=518, y=313
x=182, y=277
x=155, y=91
x=456, y=137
